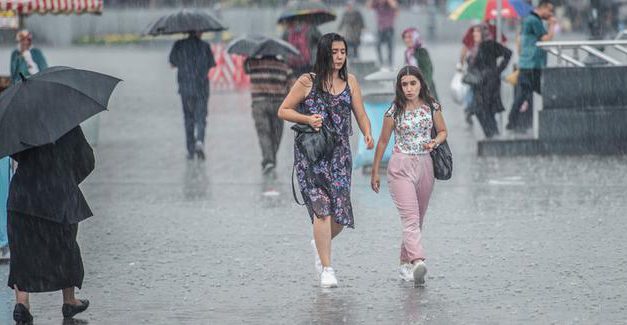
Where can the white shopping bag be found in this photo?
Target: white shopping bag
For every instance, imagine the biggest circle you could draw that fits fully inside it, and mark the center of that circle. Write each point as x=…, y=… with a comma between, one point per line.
x=459, y=90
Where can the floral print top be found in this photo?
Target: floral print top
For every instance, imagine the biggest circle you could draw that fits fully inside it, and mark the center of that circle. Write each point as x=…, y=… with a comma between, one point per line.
x=413, y=130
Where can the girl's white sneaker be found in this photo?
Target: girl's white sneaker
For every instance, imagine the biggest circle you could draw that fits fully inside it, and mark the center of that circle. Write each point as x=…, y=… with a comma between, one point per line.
x=419, y=271
x=405, y=272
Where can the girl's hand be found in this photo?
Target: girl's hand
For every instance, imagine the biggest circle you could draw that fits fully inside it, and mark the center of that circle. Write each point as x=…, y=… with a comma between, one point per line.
x=431, y=145
x=375, y=183
x=369, y=142
x=315, y=121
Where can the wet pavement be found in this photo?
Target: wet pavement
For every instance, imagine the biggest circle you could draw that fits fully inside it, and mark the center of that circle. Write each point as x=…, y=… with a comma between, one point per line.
x=535, y=240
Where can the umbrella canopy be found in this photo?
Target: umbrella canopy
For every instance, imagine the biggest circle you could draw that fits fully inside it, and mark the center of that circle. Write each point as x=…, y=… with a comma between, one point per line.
x=487, y=10
x=259, y=45
x=316, y=13
x=185, y=21
x=40, y=109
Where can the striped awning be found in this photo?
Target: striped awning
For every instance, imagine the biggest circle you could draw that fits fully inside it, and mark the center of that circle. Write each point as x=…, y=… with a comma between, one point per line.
x=28, y=7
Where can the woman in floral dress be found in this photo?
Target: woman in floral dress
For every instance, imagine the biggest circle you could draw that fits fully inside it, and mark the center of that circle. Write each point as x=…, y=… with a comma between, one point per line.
x=327, y=96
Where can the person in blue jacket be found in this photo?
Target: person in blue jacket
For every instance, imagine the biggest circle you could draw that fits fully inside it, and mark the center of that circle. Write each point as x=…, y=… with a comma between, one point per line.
x=26, y=59
x=5, y=171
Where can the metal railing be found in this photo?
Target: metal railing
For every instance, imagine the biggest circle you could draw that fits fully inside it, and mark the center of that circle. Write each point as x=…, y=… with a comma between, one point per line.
x=568, y=52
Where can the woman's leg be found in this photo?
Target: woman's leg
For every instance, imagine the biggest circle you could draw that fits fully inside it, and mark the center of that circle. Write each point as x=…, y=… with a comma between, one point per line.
x=21, y=297
x=403, y=192
x=336, y=229
x=323, y=235
x=425, y=186
x=69, y=298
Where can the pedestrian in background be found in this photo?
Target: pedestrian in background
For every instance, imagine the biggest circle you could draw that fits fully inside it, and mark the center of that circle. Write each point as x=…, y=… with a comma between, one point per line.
x=412, y=116
x=417, y=55
x=327, y=97
x=5, y=174
x=531, y=61
x=44, y=207
x=468, y=53
x=304, y=36
x=269, y=84
x=385, y=12
x=352, y=24
x=486, y=100
x=193, y=59
x=26, y=59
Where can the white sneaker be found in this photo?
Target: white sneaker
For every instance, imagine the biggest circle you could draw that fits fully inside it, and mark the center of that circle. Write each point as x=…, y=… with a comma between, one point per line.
x=405, y=272
x=327, y=278
x=419, y=271
x=318, y=264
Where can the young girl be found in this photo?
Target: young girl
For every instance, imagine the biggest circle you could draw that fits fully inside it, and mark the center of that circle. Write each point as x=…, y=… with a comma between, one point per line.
x=327, y=96
x=410, y=170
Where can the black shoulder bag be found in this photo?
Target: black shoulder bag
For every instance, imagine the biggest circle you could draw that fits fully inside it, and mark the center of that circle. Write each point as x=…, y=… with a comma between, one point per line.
x=441, y=155
x=315, y=145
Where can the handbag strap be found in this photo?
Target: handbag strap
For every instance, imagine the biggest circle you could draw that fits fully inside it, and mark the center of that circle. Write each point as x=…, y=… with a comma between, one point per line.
x=434, y=132
x=294, y=187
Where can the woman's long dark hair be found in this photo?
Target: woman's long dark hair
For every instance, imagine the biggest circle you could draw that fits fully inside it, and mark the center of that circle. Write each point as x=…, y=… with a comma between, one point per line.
x=323, y=67
x=400, y=102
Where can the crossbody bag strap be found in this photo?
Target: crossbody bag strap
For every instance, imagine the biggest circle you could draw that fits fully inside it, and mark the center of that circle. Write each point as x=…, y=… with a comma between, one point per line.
x=294, y=187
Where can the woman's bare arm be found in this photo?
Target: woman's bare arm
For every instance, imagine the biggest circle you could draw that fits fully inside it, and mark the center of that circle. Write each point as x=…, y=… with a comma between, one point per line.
x=298, y=93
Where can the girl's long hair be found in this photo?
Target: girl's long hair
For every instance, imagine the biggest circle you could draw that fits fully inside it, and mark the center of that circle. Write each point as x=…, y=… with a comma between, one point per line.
x=323, y=67
x=400, y=102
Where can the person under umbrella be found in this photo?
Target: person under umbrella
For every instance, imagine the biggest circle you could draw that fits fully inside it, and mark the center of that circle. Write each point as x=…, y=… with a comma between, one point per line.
x=39, y=118
x=300, y=20
x=269, y=84
x=193, y=58
x=303, y=36
x=44, y=199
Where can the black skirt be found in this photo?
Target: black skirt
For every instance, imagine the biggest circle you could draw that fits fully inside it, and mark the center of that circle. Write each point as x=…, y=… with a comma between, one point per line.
x=44, y=254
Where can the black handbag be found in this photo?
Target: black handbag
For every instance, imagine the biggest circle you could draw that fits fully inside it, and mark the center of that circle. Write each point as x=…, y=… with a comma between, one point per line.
x=315, y=145
x=441, y=156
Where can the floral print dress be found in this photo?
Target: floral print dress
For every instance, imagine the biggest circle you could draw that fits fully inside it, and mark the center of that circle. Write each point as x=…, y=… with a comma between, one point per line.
x=326, y=185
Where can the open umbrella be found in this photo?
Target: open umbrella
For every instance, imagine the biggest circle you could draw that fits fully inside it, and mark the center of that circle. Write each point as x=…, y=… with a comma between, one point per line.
x=487, y=9
x=316, y=13
x=185, y=21
x=41, y=108
x=259, y=45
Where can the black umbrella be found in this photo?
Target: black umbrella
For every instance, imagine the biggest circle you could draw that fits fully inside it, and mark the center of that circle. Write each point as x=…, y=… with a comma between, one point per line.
x=40, y=109
x=259, y=45
x=316, y=13
x=185, y=21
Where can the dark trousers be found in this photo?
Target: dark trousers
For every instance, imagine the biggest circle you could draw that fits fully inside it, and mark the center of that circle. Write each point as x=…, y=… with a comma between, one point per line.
x=269, y=129
x=386, y=36
x=195, y=118
x=528, y=82
x=488, y=123
x=353, y=50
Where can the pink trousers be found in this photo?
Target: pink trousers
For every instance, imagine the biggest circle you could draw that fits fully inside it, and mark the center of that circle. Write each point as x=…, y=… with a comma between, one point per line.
x=410, y=180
